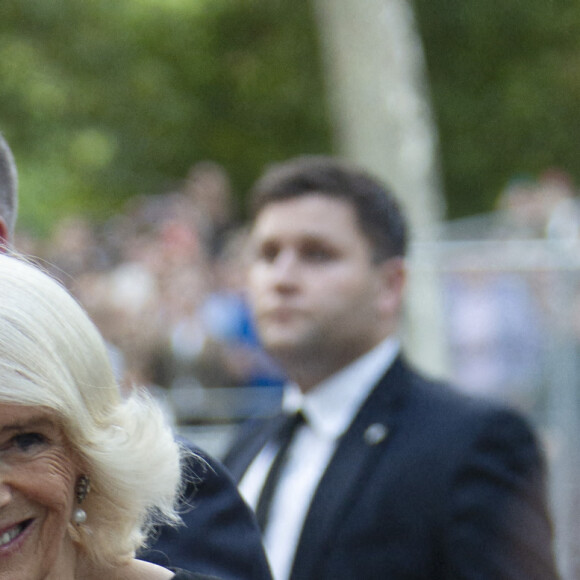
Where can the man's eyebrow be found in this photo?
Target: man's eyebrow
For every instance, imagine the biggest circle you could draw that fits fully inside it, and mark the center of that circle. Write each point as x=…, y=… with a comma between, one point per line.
x=316, y=238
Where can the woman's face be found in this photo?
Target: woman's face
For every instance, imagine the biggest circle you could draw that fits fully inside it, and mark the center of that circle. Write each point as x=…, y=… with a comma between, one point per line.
x=38, y=473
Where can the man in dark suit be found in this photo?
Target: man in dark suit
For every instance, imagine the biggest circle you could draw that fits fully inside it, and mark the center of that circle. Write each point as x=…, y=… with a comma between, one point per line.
x=385, y=474
x=220, y=536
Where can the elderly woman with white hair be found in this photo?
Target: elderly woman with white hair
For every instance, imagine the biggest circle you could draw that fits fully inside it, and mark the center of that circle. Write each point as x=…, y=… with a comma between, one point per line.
x=84, y=472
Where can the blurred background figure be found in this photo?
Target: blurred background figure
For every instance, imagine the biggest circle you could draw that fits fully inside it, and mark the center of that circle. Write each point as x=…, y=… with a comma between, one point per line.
x=208, y=188
x=8, y=194
x=495, y=335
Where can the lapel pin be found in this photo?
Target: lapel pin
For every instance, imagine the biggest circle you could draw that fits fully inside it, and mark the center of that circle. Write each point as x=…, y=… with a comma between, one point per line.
x=375, y=433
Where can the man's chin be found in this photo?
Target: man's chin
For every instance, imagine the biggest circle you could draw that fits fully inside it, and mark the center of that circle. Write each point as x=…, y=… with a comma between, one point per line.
x=288, y=351
x=281, y=341
x=281, y=346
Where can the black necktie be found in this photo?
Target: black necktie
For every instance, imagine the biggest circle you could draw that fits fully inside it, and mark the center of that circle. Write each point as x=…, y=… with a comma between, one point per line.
x=283, y=438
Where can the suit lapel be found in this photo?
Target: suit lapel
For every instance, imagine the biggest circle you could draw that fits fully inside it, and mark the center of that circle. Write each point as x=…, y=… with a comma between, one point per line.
x=248, y=445
x=357, y=452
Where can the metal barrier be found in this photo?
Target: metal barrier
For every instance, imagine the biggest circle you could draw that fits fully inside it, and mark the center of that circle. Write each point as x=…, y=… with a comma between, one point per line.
x=519, y=304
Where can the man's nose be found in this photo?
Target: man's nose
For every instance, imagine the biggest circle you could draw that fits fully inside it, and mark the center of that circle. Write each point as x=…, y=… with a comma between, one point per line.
x=285, y=269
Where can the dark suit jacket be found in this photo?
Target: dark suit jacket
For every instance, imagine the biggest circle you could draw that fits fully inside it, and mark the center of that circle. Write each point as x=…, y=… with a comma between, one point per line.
x=220, y=536
x=185, y=575
x=425, y=484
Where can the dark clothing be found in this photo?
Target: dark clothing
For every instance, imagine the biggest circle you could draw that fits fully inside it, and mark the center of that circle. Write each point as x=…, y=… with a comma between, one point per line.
x=426, y=484
x=184, y=575
x=220, y=536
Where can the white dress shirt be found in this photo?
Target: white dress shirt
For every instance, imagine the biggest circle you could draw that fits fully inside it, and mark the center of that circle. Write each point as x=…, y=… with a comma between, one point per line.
x=329, y=409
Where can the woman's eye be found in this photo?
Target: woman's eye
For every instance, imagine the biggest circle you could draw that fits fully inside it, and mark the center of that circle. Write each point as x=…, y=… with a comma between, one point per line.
x=27, y=441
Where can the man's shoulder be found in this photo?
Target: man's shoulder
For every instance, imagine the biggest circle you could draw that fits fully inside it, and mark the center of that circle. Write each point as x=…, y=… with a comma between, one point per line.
x=432, y=401
x=220, y=535
x=249, y=438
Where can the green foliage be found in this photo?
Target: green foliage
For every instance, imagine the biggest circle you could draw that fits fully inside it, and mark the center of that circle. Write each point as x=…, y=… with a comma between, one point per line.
x=104, y=100
x=505, y=82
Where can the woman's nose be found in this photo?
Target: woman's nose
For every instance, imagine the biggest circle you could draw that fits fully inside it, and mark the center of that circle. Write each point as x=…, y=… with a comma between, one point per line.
x=5, y=490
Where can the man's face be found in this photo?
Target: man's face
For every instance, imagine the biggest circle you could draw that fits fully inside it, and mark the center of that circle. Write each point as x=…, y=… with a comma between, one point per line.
x=319, y=299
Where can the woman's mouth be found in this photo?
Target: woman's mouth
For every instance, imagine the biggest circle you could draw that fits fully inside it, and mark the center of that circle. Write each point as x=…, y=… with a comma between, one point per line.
x=12, y=533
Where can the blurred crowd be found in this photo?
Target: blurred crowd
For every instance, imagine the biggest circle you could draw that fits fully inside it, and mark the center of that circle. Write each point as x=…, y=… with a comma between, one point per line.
x=512, y=297
x=163, y=281
x=546, y=207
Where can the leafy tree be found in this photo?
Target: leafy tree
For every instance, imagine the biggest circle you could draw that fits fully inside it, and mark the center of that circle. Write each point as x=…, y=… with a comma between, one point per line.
x=108, y=99
x=104, y=100
x=505, y=81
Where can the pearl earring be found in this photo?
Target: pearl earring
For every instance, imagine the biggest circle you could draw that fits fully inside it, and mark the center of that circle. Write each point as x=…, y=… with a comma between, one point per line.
x=82, y=489
x=80, y=516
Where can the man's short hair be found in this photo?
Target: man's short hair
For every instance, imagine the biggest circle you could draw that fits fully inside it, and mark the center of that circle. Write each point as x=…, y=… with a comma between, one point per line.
x=379, y=215
x=8, y=186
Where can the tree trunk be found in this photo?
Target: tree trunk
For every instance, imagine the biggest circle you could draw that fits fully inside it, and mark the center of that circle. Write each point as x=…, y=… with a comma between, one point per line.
x=382, y=118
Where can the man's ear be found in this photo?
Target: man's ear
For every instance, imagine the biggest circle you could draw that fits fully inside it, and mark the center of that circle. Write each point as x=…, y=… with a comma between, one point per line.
x=393, y=279
x=4, y=236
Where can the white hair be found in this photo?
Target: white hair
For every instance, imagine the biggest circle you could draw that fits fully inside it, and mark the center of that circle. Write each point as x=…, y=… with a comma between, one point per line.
x=52, y=356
